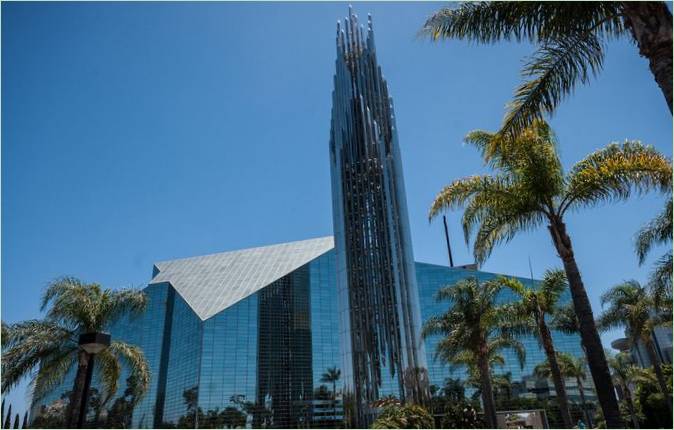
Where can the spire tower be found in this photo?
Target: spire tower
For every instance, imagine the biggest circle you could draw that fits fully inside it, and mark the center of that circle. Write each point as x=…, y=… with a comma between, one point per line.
x=382, y=349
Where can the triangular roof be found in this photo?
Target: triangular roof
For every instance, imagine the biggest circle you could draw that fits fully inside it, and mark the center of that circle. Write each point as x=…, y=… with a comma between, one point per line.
x=212, y=283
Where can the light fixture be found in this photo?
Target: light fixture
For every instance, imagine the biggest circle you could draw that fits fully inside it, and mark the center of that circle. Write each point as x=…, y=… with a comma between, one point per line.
x=93, y=343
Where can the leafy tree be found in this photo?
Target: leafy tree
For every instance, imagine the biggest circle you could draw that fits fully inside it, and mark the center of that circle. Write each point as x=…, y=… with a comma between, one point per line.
x=653, y=405
x=630, y=306
x=474, y=328
x=622, y=372
x=461, y=415
x=17, y=421
x=72, y=308
x=658, y=232
x=410, y=416
x=25, y=420
x=530, y=189
x=532, y=306
x=569, y=367
x=571, y=45
x=332, y=375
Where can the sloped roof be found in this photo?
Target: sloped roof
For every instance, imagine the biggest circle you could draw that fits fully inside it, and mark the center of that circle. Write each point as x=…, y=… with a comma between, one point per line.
x=212, y=283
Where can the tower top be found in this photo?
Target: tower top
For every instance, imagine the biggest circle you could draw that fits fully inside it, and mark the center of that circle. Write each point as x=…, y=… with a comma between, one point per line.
x=351, y=41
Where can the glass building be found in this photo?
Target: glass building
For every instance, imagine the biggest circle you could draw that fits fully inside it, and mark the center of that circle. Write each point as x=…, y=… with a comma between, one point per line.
x=307, y=334
x=244, y=339
x=378, y=298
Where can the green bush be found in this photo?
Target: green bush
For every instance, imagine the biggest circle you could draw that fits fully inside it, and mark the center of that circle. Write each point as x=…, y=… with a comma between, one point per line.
x=461, y=415
x=404, y=417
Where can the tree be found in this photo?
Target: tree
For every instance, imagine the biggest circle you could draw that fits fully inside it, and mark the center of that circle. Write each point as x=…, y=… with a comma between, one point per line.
x=622, y=371
x=473, y=329
x=532, y=307
x=72, y=308
x=530, y=189
x=564, y=320
x=658, y=232
x=569, y=367
x=25, y=420
x=409, y=416
x=332, y=375
x=630, y=306
x=652, y=405
x=571, y=45
x=17, y=421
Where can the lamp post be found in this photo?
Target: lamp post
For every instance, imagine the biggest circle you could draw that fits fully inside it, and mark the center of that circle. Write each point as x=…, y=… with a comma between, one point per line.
x=92, y=344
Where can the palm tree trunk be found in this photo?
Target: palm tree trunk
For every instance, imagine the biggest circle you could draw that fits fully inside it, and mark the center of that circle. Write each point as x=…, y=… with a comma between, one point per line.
x=583, y=403
x=651, y=26
x=486, y=387
x=555, y=373
x=630, y=406
x=78, y=389
x=652, y=356
x=588, y=331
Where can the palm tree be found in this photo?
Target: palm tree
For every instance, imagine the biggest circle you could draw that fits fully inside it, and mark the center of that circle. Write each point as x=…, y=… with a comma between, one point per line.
x=332, y=376
x=473, y=329
x=571, y=44
x=658, y=232
x=51, y=345
x=630, y=306
x=570, y=367
x=622, y=371
x=531, y=189
x=564, y=319
x=532, y=307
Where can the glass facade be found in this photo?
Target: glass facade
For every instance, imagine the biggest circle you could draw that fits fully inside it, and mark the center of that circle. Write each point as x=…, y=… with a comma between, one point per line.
x=261, y=361
x=433, y=277
x=379, y=304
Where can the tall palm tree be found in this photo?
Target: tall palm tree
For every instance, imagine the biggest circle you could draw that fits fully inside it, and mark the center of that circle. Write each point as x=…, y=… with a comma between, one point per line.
x=629, y=305
x=571, y=44
x=51, y=344
x=531, y=189
x=658, y=232
x=532, y=306
x=332, y=375
x=622, y=371
x=570, y=367
x=473, y=329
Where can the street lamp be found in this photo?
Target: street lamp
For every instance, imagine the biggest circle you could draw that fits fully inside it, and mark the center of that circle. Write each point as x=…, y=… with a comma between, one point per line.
x=92, y=344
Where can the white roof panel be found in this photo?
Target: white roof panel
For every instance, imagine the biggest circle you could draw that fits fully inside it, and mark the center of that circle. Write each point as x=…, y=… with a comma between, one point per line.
x=212, y=283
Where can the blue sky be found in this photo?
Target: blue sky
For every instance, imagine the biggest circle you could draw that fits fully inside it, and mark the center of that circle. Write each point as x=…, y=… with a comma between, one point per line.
x=133, y=133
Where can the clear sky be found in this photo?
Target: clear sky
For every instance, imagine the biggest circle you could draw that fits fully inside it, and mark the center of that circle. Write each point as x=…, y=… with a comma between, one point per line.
x=133, y=133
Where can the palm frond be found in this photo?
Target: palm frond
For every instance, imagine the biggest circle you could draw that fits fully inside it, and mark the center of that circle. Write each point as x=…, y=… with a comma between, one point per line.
x=552, y=287
x=614, y=172
x=119, y=302
x=27, y=344
x=660, y=282
x=553, y=72
x=502, y=228
x=564, y=320
x=488, y=22
x=657, y=232
x=52, y=372
x=134, y=360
